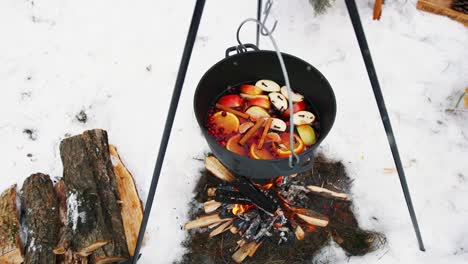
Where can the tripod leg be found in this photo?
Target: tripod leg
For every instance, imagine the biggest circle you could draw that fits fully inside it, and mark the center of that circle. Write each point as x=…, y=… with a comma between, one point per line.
x=197, y=14
x=356, y=21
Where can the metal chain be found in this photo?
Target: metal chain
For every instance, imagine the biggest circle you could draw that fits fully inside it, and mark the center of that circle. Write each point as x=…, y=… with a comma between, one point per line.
x=286, y=79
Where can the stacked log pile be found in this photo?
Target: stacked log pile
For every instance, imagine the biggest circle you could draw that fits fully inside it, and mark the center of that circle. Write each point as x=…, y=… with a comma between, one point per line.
x=91, y=215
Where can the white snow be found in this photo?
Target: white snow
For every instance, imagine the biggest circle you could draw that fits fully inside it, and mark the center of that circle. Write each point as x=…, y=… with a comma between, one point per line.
x=117, y=61
x=73, y=211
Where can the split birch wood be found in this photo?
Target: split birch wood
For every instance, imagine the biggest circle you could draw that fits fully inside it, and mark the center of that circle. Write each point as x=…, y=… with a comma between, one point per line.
x=222, y=228
x=205, y=221
x=41, y=220
x=214, y=166
x=255, y=248
x=94, y=219
x=299, y=232
x=243, y=251
x=131, y=206
x=314, y=220
x=211, y=206
x=10, y=242
x=327, y=192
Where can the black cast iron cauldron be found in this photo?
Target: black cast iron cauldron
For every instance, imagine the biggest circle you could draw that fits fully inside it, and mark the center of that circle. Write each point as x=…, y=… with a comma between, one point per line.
x=253, y=66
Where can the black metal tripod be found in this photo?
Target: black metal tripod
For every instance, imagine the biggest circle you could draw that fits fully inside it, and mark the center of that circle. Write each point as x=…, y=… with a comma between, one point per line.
x=197, y=14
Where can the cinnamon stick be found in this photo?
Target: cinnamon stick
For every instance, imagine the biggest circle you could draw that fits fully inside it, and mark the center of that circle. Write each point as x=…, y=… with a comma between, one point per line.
x=233, y=111
x=251, y=131
x=265, y=132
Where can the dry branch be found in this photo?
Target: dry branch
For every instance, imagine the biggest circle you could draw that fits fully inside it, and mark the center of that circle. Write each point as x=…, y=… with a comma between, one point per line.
x=40, y=213
x=10, y=243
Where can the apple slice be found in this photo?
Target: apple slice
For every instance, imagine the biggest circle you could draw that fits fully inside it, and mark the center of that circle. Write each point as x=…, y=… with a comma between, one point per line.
x=245, y=126
x=251, y=96
x=303, y=118
x=279, y=101
x=250, y=89
x=268, y=86
x=273, y=137
x=307, y=134
x=256, y=112
x=296, y=97
x=231, y=100
x=225, y=122
x=278, y=125
x=260, y=101
x=299, y=106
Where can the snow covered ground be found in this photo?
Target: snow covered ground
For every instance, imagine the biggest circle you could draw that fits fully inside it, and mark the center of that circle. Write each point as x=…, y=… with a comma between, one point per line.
x=117, y=60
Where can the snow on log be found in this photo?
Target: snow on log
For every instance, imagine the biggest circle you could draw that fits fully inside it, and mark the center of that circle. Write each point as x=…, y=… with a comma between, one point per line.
x=10, y=242
x=40, y=218
x=94, y=221
x=131, y=206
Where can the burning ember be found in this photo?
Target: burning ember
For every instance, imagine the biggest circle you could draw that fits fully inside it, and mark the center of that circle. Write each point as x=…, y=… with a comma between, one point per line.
x=259, y=211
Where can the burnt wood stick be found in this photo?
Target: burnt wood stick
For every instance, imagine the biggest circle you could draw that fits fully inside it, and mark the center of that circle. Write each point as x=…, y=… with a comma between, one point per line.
x=41, y=220
x=256, y=196
x=95, y=221
x=10, y=242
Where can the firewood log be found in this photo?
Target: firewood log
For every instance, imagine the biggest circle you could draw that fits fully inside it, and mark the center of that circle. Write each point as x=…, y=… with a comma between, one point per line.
x=243, y=251
x=211, y=206
x=222, y=228
x=10, y=242
x=299, y=232
x=205, y=221
x=131, y=206
x=40, y=213
x=214, y=166
x=61, y=192
x=327, y=193
x=314, y=219
x=94, y=219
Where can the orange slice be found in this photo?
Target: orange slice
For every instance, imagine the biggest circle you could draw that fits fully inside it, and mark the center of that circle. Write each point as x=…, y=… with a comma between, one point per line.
x=226, y=121
x=233, y=145
x=283, y=149
x=262, y=154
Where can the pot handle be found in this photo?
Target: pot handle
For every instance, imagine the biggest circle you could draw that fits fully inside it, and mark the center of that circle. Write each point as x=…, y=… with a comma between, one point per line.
x=241, y=49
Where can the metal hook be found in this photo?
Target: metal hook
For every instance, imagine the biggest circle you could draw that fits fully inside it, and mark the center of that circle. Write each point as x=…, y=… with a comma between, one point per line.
x=266, y=13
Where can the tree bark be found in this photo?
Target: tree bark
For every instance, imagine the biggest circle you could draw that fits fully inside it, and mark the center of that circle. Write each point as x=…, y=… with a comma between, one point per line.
x=94, y=220
x=41, y=221
x=10, y=242
x=131, y=206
